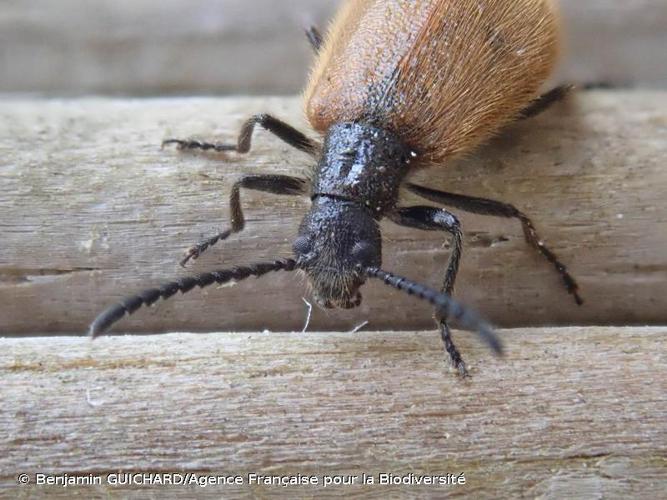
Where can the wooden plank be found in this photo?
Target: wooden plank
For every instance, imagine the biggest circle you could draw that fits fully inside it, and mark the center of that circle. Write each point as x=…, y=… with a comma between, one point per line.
x=257, y=46
x=91, y=209
x=568, y=413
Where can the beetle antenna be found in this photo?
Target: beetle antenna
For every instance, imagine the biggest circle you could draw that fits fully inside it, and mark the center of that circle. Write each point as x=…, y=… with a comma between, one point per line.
x=446, y=306
x=148, y=297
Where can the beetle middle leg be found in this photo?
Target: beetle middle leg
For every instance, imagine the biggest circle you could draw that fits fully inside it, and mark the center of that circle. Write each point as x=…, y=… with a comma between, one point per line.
x=495, y=208
x=545, y=101
x=435, y=219
x=275, y=184
x=282, y=130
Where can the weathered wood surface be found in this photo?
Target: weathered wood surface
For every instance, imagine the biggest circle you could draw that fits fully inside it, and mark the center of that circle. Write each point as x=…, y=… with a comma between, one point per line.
x=91, y=209
x=240, y=46
x=568, y=413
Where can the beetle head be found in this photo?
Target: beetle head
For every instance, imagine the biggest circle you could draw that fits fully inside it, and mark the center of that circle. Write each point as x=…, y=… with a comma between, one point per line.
x=337, y=240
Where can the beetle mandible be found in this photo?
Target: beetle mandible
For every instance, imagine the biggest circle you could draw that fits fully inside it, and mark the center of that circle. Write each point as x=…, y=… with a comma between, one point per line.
x=398, y=85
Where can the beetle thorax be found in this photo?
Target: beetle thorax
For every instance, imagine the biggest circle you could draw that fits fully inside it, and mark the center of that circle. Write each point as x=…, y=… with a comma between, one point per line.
x=362, y=164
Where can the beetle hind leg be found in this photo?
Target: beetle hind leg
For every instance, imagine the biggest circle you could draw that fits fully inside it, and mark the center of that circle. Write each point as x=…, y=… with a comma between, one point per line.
x=314, y=38
x=545, y=101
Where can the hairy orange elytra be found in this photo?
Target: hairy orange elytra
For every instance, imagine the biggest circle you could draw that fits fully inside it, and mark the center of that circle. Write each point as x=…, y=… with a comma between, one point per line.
x=442, y=75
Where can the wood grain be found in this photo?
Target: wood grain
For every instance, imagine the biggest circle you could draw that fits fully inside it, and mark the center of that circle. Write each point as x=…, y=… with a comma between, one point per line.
x=141, y=47
x=91, y=210
x=568, y=413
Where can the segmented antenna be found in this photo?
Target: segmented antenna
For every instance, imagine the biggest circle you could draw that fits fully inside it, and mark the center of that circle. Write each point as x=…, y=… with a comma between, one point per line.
x=148, y=297
x=445, y=305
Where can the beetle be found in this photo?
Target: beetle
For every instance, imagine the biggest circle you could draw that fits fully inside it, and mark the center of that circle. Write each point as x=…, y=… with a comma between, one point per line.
x=398, y=86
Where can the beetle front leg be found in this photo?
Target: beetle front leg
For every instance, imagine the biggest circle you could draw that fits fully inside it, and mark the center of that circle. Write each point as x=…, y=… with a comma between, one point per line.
x=275, y=184
x=435, y=219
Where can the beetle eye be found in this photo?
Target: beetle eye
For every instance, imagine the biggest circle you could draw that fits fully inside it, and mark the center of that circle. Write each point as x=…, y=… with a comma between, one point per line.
x=363, y=253
x=301, y=245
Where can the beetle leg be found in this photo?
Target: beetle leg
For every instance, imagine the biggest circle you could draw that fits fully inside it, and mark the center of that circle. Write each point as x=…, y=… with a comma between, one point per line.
x=282, y=130
x=435, y=219
x=315, y=38
x=545, y=101
x=484, y=206
x=275, y=184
